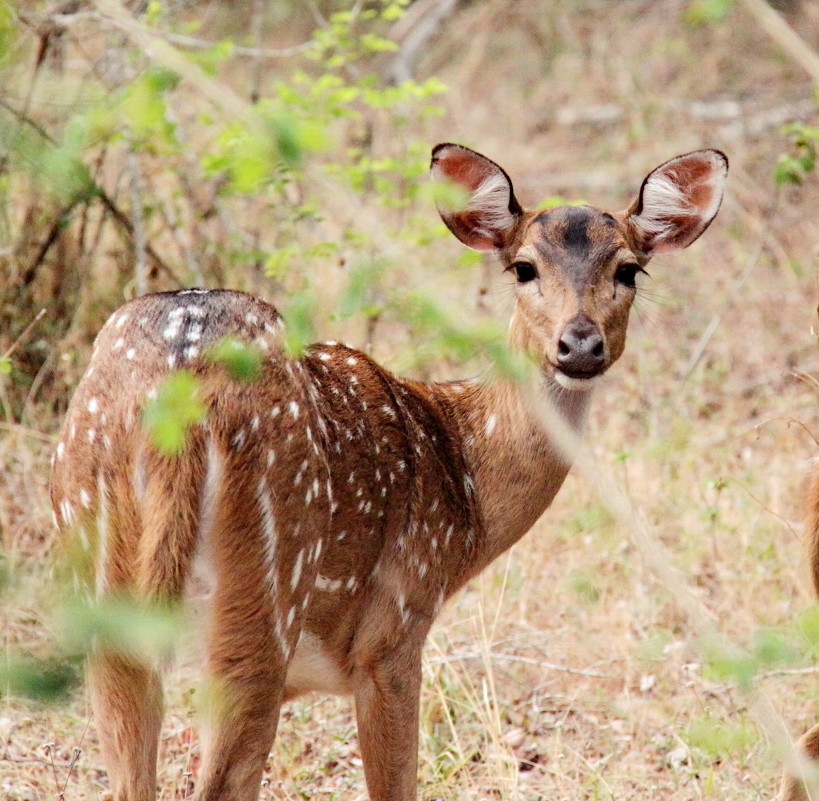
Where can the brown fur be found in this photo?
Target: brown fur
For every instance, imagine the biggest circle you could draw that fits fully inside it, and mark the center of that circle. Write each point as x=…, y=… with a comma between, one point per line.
x=793, y=787
x=333, y=505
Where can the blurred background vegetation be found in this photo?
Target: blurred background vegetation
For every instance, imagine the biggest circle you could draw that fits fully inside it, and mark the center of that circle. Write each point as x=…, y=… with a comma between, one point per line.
x=282, y=148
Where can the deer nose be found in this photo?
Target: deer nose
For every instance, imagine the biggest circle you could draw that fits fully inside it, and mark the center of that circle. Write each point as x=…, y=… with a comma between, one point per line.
x=580, y=349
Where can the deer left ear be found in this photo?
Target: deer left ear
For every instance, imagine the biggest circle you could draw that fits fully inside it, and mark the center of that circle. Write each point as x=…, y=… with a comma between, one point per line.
x=489, y=217
x=678, y=201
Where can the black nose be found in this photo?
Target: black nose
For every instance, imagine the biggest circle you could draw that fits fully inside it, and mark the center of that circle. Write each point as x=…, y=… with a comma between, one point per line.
x=580, y=349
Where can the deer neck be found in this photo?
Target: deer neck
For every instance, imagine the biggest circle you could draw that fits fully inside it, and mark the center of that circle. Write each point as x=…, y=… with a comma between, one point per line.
x=516, y=465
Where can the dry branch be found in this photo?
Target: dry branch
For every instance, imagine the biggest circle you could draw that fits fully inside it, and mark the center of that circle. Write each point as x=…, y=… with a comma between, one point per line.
x=786, y=37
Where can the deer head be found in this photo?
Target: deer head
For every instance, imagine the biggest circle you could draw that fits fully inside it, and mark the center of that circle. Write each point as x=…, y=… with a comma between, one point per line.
x=576, y=266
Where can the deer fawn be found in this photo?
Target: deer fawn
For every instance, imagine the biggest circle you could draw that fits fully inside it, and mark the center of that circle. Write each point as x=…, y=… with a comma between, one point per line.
x=334, y=506
x=801, y=782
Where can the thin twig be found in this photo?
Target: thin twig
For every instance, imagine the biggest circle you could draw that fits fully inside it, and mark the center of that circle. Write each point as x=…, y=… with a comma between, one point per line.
x=415, y=38
x=523, y=660
x=239, y=50
x=140, y=266
x=808, y=671
x=26, y=331
x=256, y=18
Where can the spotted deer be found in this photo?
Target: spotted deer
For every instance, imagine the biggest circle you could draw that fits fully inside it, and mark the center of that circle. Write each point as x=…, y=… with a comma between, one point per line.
x=334, y=506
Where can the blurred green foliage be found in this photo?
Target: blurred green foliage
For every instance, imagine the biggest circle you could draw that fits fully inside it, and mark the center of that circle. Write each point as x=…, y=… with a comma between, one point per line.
x=793, y=166
x=175, y=408
x=242, y=360
x=704, y=12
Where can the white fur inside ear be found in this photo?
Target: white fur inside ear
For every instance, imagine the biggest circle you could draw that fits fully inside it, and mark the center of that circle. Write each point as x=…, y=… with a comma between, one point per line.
x=679, y=200
x=491, y=200
x=663, y=201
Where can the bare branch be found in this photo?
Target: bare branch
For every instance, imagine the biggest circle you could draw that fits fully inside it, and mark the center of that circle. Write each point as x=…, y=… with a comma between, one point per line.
x=786, y=37
x=140, y=266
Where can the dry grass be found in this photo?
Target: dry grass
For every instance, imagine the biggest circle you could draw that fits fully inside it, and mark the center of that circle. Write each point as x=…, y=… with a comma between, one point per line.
x=567, y=671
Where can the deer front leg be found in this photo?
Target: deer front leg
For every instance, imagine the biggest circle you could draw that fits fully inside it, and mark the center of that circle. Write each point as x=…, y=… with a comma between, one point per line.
x=386, y=703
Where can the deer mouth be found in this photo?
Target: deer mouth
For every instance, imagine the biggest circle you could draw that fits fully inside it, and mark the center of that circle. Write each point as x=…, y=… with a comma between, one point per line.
x=576, y=380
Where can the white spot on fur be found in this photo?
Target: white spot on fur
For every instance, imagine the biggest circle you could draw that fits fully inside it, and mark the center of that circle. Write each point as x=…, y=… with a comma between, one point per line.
x=491, y=421
x=268, y=532
x=238, y=438
x=324, y=584
x=102, y=534
x=93, y=405
x=294, y=579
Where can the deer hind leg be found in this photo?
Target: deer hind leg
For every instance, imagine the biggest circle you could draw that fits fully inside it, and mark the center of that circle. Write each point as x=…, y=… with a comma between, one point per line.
x=126, y=698
x=254, y=623
x=793, y=785
x=146, y=537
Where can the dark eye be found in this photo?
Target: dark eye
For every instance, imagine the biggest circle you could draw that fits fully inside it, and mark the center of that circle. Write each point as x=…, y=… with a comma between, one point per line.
x=524, y=271
x=626, y=273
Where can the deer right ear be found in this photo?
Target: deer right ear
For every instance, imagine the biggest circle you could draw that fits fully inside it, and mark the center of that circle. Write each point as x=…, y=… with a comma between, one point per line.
x=491, y=213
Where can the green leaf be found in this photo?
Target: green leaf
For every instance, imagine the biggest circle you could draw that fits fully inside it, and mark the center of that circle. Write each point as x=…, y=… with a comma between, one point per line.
x=300, y=331
x=5, y=365
x=176, y=407
x=123, y=625
x=242, y=360
x=41, y=679
x=144, y=111
x=703, y=12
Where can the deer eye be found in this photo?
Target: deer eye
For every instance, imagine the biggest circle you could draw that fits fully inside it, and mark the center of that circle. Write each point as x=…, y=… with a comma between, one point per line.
x=626, y=273
x=524, y=271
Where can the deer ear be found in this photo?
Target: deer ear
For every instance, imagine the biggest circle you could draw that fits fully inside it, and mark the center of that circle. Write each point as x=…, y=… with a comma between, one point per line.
x=677, y=201
x=491, y=212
